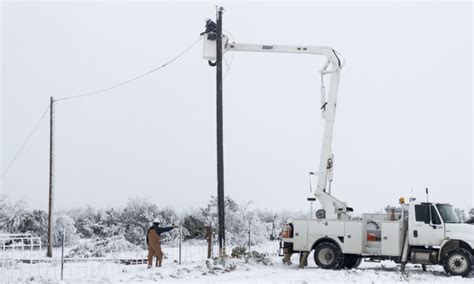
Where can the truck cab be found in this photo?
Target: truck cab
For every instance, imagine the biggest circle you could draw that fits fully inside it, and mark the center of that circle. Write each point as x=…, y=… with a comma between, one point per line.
x=437, y=236
x=432, y=223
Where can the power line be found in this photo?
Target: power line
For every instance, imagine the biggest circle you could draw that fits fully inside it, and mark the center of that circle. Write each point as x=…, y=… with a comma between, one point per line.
x=232, y=58
x=26, y=141
x=95, y=93
x=228, y=64
x=134, y=78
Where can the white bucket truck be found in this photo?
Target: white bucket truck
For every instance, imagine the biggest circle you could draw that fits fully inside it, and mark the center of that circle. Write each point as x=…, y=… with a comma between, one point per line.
x=422, y=232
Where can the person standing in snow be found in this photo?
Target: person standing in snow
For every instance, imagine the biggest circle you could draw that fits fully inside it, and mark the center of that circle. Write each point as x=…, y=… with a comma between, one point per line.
x=153, y=237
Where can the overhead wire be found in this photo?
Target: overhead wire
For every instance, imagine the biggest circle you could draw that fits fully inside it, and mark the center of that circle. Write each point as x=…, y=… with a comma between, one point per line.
x=95, y=93
x=228, y=65
x=134, y=78
x=231, y=59
x=25, y=142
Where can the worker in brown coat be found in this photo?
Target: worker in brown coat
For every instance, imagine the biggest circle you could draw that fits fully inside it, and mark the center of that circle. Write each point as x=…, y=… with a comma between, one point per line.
x=153, y=237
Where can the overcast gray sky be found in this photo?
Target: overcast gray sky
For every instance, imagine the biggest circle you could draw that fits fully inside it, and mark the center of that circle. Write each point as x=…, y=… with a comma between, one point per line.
x=404, y=118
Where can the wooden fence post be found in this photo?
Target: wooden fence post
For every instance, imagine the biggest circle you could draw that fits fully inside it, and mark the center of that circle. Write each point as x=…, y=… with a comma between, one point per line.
x=209, y=241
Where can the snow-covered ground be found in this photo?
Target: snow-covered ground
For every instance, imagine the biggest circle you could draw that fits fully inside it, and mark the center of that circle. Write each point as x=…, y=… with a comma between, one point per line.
x=279, y=273
x=195, y=268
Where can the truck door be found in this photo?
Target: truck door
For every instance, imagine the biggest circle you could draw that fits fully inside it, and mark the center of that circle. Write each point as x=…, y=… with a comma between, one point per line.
x=427, y=229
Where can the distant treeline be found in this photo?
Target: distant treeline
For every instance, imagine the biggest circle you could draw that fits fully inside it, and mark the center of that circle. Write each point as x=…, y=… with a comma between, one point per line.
x=132, y=220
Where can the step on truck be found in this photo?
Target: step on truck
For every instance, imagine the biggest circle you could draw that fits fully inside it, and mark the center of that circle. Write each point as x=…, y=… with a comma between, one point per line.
x=425, y=233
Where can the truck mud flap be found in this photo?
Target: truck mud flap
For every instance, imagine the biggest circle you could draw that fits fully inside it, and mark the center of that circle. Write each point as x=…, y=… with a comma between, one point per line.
x=280, y=249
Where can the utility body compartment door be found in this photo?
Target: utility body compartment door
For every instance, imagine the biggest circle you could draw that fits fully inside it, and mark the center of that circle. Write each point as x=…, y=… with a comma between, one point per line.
x=332, y=228
x=300, y=235
x=354, y=237
x=318, y=229
x=392, y=238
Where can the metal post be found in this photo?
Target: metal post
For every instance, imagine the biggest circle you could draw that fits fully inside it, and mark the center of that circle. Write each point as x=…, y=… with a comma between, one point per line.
x=311, y=191
x=49, y=252
x=249, y=234
x=220, y=143
x=62, y=252
x=31, y=249
x=180, y=241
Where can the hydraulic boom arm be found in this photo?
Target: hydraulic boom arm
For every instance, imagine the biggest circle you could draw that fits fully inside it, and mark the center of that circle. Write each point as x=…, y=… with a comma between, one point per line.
x=334, y=208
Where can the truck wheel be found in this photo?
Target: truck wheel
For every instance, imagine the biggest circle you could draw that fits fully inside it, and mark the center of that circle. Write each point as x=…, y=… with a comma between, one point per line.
x=328, y=256
x=458, y=262
x=351, y=261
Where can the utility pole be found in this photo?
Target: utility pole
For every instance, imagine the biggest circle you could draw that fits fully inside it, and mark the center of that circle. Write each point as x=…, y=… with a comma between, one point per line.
x=220, y=142
x=49, y=252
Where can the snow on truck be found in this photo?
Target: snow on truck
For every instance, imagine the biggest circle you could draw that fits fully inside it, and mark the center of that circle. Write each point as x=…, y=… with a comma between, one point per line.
x=420, y=232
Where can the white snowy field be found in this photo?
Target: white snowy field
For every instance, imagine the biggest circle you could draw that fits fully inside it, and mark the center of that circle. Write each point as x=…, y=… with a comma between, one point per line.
x=195, y=268
x=385, y=272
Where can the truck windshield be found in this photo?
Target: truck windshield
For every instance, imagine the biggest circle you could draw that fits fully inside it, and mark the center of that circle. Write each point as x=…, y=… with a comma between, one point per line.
x=448, y=214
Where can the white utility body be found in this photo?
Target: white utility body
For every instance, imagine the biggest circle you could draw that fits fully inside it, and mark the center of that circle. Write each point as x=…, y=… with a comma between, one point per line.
x=425, y=233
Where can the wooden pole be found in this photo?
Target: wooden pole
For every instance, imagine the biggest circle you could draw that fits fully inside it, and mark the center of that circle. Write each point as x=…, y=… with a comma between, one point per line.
x=49, y=252
x=209, y=241
x=220, y=142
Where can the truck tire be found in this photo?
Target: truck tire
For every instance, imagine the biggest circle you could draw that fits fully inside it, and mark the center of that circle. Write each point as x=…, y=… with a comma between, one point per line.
x=457, y=262
x=351, y=261
x=328, y=256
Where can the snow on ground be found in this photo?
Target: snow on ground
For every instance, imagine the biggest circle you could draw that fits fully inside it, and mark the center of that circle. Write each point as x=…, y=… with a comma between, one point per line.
x=196, y=269
x=279, y=273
